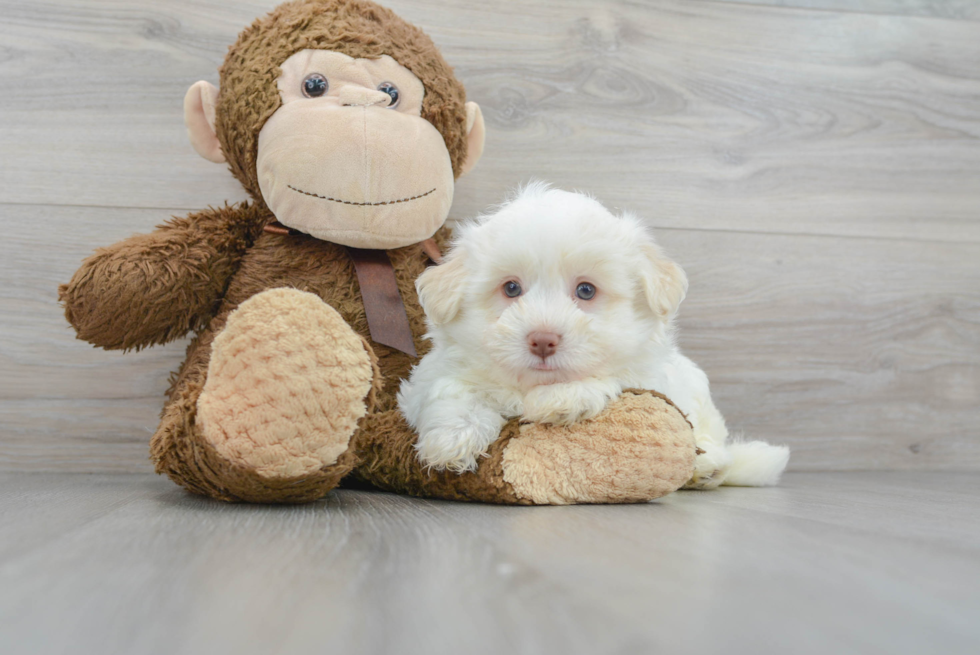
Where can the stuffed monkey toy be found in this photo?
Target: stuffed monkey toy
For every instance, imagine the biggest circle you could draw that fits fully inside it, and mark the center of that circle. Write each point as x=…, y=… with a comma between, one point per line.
x=348, y=130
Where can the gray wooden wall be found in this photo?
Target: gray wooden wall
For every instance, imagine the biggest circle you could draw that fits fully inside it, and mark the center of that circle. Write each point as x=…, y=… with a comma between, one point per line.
x=813, y=164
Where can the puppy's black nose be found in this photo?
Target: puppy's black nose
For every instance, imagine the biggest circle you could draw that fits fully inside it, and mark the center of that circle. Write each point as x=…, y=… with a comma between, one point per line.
x=543, y=344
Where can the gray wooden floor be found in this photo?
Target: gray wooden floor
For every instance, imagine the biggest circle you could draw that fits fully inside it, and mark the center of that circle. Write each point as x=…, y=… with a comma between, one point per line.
x=827, y=563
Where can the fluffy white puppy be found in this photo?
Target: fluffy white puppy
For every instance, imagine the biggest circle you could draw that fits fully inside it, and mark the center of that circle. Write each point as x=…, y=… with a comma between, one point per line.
x=548, y=308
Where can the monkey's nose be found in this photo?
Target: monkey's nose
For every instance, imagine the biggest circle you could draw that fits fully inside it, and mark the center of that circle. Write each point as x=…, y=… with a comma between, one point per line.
x=543, y=344
x=354, y=95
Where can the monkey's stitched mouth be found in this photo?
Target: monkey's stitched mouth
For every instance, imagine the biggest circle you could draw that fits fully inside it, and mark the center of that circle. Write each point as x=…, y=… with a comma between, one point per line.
x=361, y=204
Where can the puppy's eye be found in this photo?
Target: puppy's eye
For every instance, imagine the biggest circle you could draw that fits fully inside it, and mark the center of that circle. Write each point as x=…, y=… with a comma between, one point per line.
x=512, y=289
x=315, y=85
x=585, y=291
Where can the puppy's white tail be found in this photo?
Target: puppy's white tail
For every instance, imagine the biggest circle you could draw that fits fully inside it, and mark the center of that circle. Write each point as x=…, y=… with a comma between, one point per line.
x=755, y=464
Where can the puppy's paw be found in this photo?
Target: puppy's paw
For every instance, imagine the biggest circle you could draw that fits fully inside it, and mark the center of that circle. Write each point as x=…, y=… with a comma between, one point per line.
x=710, y=467
x=457, y=442
x=568, y=402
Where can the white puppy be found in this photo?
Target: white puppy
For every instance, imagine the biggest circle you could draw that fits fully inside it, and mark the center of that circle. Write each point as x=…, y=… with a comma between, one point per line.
x=547, y=309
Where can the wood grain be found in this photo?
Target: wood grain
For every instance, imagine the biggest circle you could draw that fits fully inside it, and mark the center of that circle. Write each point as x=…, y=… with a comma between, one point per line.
x=816, y=172
x=952, y=9
x=794, y=569
x=159, y=571
x=698, y=114
x=826, y=563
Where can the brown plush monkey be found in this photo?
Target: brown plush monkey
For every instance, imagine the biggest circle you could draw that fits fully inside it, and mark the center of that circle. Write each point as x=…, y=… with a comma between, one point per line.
x=348, y=130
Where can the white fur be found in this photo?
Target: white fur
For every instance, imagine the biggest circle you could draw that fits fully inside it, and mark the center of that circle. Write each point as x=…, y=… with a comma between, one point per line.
x=480, y=370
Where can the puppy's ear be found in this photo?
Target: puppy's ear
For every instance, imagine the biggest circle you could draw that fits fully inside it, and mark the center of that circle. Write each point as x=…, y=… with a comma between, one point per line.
x=441, y=288
x=664, y=283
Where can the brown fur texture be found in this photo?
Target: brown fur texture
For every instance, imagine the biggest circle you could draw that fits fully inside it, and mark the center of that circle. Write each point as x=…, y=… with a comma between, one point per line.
x=301, y=262
x=356, y=28
x=153, y=288
x=385, y=447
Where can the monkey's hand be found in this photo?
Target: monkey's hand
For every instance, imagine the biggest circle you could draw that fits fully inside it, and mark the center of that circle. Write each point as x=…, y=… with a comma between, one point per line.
x=157, y=287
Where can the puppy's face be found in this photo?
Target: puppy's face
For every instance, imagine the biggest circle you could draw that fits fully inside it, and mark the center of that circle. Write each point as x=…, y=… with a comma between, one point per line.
x=551, y=288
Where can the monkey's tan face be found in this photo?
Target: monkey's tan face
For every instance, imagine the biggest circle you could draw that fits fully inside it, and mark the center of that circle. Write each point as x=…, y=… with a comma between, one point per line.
x=348, y=158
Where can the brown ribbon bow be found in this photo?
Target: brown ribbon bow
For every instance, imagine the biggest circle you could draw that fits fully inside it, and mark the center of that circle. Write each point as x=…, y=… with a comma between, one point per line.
x=386, y=315
x=383, y=305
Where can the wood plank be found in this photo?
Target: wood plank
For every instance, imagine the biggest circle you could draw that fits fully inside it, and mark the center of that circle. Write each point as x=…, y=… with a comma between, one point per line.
x=169, y=572
x=699, y=115
x=711, y=564
x=859, y=353
x=950, y=9
x=38, y=509
x=867, y=502
x=826, y=563
x=65, y=405
x=849, y=350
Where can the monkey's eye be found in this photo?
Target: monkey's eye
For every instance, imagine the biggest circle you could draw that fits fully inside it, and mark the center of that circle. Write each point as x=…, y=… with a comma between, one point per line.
x=585, y=291
x=512, y=289
x=392, y=91
x=315, y=85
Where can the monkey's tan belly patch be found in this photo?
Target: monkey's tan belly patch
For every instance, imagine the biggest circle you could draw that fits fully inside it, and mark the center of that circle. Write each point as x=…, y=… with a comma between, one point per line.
x=286, y=385
x=638, y=449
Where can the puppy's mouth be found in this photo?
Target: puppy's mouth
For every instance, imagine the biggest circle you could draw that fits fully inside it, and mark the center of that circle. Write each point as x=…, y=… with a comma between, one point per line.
x=549, y=372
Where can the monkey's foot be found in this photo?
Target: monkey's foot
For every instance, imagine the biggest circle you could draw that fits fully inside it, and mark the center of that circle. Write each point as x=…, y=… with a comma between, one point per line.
x=287, y=383
x=639, y=448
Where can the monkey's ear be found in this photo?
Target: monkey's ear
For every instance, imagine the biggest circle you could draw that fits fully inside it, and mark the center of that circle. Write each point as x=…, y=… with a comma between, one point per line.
x=441, y=289
x=664, y=283
x=475, y=136
x=199, y=111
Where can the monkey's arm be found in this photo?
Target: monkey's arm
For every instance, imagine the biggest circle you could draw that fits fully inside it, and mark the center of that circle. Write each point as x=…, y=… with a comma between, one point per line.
x=154, y=288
